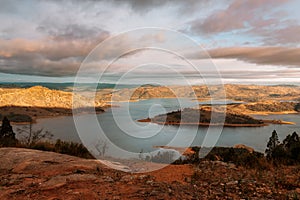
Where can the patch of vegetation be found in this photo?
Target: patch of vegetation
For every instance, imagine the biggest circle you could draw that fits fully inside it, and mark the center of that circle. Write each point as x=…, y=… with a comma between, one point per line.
x=17, y=117
x=274, y=95
x=69, y=148
x=189, y=115
x=297, y=107
x=237, y=156
x=277, y=153
x=274, y=107
x=287, y=152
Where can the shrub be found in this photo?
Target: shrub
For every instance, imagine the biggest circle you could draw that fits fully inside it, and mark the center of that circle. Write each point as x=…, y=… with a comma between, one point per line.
x=240, y=157
x=72, y=148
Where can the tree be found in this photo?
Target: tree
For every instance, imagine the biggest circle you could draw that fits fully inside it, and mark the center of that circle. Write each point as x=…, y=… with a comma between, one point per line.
x=291, y=145
x=287, y=152
x=272, y=145
x=291, y=140
x=31, y=137
x=101, y=147
x=7, y=135
x=297, y=107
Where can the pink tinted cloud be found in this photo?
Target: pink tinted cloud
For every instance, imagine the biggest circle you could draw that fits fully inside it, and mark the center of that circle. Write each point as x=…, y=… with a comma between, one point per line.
x=261, y=55
x=238, y=15
x=48, y=56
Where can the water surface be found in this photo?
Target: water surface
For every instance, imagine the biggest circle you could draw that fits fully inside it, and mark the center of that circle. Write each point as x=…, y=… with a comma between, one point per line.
x=136, y=137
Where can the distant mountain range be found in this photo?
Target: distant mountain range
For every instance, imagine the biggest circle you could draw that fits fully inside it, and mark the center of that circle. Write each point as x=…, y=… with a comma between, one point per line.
x=67, y=86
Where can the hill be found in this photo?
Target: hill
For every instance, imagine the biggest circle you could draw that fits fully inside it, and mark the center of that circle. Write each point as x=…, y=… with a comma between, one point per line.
x=246, y=93
x=39, y=96
x=265, y=107
x=24, y=104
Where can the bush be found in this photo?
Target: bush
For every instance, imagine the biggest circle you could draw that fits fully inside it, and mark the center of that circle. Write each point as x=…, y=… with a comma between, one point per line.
x=69, y=148
x=72, y=148
x=43, y=146
x=240, y=157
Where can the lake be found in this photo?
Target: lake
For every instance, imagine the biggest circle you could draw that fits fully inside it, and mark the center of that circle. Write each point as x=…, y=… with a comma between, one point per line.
x=119, y=132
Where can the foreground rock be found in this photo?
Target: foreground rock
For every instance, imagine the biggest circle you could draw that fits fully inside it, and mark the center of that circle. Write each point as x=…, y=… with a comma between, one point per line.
x=30, y=174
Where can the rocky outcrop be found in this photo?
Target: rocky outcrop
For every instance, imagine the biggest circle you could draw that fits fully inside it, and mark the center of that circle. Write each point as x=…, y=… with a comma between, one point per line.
x=30, y=174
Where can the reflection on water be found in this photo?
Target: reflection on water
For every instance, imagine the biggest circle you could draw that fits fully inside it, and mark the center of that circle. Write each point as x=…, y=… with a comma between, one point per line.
x=137, y=137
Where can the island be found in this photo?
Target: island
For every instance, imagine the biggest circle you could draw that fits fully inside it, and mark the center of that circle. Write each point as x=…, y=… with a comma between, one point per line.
x=210, y=116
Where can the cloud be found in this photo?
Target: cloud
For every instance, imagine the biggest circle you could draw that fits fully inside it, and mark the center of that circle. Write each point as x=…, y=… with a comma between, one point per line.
x=238, y=15
x=53, y=40
x=285, y=36
x=260, y=55
x=70, y=31
x=63, y=50
x=268, y=22
x=49, y=48
x=142, y=6
x=58, y=54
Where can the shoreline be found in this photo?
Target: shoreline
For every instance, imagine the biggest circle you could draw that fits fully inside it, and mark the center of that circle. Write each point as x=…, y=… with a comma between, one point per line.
x=26, y=115
x=271, y=113
x=266, y=123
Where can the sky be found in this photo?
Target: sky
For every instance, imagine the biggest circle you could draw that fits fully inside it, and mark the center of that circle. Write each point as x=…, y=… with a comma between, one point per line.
x=243, y=40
